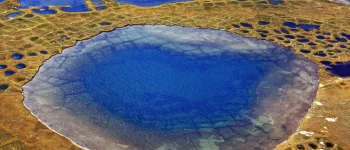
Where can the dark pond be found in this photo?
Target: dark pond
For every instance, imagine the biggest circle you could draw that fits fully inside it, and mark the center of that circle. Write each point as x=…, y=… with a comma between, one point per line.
x=149, y=2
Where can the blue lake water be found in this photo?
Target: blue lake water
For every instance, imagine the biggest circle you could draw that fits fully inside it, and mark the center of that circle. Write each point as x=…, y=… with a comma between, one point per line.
x=80, y=6
x=97, y=2
x=160, y=87
x=276, y=2
x=74, y=5
x=26, y=3
x=341, y=69
x=44, y=10
x=13, y=14
x=165, y=91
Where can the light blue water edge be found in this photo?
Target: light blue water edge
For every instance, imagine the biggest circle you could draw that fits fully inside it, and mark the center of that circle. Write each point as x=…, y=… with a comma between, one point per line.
x=154, y=87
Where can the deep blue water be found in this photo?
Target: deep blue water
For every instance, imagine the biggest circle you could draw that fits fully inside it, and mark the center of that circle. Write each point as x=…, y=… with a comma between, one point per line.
x=149, y=2
x=26, y=3
x=17, y=56
x=101, y=7
x=305, y=27
x=79, y=5
x=276, y=2
x=21, y=66
x=76, y=8
x=97, y=2
x=44, y=10
x=3, y=87
x=13, y=14
x=3, y=66
x=160, y=90
x=9, y=73
x=341, y=69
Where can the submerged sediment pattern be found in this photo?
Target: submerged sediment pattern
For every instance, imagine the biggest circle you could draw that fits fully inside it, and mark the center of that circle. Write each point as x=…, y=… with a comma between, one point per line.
x=150, y=87
x=317, y=30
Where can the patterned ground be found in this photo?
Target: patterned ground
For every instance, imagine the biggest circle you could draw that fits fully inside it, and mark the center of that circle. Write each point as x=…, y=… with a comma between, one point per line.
x=317, y=30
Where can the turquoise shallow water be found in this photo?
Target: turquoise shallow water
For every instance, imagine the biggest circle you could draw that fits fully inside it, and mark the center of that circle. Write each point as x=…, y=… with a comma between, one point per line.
x=160, y=87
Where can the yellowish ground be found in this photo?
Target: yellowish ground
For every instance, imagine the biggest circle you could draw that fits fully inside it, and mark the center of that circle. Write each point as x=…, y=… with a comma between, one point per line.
x=30, y=33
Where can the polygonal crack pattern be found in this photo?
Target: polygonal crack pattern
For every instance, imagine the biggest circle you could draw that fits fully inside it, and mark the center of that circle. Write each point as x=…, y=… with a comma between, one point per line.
x=258, y=19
